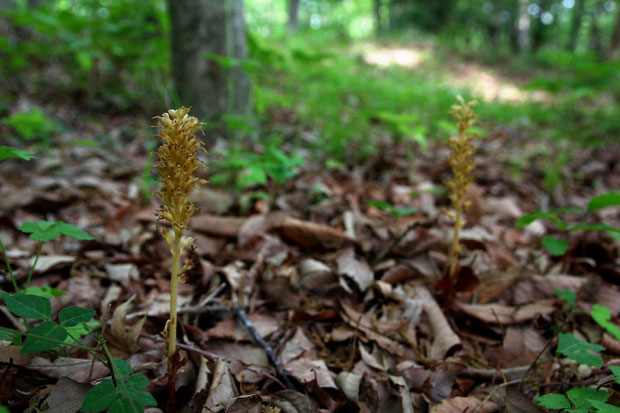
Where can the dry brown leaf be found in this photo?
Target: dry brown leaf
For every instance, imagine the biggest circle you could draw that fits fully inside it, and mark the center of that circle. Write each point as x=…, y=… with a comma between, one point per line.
x=78, y=370
x=349, y=384
x=11, y=354
x=307, y=371
x=223, y=387
x=464, y=404
x=228, y=329
x=290, y=401
x=374, y=359
x=503, y=314
x=522, y=344
x=356, y=270
x=226, y=227
x=444, y=339
x=122, y=273
x=543, y=286
x=360, y=322
x=47, y=262
x=316, y=275
x=403, y=390
x=121, y=336
x=66, y=396
x=312, y=235
x=518, y=402
x=298, y=344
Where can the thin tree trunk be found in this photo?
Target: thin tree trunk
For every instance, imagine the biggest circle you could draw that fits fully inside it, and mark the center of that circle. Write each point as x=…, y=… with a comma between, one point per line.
x=208, y=41
x=523, y=27
x=293, y=15
x=596, y=41
x=575, y=25
x=614, y=44
x=377, y=13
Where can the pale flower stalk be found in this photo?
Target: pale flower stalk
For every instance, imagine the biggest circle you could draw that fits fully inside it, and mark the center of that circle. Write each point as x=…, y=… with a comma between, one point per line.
x=177, y=159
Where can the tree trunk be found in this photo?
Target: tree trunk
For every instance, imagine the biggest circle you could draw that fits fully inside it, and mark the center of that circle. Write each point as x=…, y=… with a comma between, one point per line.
x=596, y=41
x=539, y=29
x=523, y=27
x=377, y=12
x=575, y=25
x=293, y=15
x=614, y=44
x=208, y=42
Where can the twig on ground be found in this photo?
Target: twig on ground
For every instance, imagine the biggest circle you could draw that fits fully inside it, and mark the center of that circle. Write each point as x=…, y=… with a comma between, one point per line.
x=241, y=315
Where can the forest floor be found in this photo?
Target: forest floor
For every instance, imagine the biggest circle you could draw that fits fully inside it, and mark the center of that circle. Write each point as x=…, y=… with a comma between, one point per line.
x=342, y=289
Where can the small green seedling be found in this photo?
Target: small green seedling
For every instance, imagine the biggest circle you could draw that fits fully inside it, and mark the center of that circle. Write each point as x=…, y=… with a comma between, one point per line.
x=32, y=124
x=558, y=246
x=395, y=211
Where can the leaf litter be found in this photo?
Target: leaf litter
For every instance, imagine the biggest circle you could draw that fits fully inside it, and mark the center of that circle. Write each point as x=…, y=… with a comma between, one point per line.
x=341, y=292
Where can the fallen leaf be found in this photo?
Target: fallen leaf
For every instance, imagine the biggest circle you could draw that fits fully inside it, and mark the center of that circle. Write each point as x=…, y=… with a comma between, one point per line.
x=223, y=387
x=312, y=235
x=464, y=404
x=122, y=336
x=78, y=370
x=66, y=396
x=356, y=270
x=444, y=339
x=503, y=314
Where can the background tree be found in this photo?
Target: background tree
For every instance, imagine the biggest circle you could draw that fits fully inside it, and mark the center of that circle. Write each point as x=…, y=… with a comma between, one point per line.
x=208, y=46
x=293, y=15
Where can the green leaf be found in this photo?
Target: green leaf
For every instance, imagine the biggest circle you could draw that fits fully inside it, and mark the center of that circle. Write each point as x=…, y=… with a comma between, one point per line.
x=548, y=215
x=121, y=368
x=11, y=152
x=45, y=291
x=72, y=316
x=45, y=336
x=13, y=337
x=143, y=398
x=567, y=295
x=579, y=350
x=604, y=201
x=555, y=246
x=45, y=231
x=553, y=401
x=28, y=305
x=137, y=382
x=604, y=407
x=4, y=409
x=253, y=175
x=616, y=371
x=125, y=406
x=581, y=396
x=100, y=397
x=601, y=315
x=594, y=227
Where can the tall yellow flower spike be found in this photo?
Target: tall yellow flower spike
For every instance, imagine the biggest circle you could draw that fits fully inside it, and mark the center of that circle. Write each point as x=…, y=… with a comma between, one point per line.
x=177, y=159
x=462, y=163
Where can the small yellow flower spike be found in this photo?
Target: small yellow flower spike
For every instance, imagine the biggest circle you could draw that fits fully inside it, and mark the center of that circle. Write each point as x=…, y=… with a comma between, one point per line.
x=178, y=162
x=462, y=163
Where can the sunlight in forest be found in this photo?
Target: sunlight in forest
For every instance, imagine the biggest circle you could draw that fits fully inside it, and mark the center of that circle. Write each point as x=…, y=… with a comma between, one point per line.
x=387, y=56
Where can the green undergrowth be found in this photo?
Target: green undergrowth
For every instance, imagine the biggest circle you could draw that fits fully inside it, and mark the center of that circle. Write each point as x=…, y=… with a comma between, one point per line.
x=349, y=104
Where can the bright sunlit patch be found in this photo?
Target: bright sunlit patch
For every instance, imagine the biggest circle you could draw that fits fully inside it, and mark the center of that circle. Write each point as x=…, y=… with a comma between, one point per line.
x=394, y=56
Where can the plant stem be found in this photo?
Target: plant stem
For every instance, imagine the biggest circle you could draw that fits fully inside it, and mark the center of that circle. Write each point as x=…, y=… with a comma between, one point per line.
x=8, y=266
x=34, y=264
x=172, y=324
x=454, y=252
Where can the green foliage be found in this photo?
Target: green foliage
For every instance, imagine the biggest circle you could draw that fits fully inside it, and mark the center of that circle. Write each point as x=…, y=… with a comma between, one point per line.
x=396, y=212
x=32, y=125
x=44, y=336
x=245, y=169
x=555, y=246
x=580, y=351
x=28, y=306
x=602, y=315
x=11, y=152
x=568, y=296
x=558, y=246
x=72, y=316
x=117, y=52
x=45, y=231
x=580, y=399
x=128, y=397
